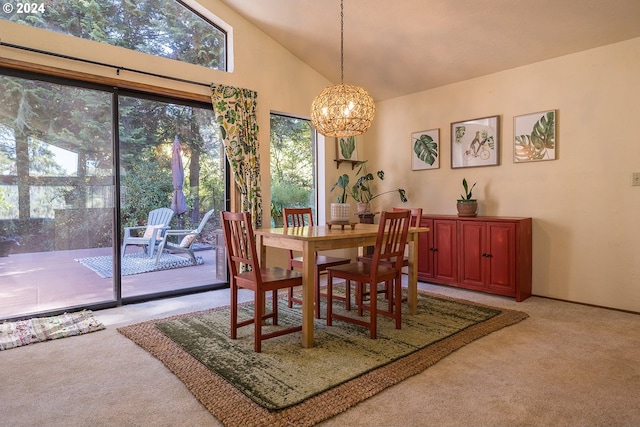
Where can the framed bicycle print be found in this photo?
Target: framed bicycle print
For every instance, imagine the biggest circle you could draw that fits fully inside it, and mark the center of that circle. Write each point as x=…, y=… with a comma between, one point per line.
x=475, y=142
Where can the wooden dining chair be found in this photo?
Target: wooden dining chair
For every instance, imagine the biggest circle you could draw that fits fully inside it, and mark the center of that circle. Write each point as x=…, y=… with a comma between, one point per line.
x=416, y=215
x=301, y=217
x=386, y=267
x=241, y=249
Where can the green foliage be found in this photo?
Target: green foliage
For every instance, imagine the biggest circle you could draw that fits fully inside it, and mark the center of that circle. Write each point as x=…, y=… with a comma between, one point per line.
x=362, y=191
x=535, y=145
x=146, y=186
x=426, y=149
x=343, y=183
x=158, y=27
x=467, y=191
x=292, y=165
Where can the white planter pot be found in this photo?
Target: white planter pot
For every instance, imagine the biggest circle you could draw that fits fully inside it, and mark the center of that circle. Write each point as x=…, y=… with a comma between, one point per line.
x=340, y=212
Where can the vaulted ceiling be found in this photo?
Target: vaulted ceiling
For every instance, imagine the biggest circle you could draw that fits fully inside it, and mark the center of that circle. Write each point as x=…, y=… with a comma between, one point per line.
x=394, y=48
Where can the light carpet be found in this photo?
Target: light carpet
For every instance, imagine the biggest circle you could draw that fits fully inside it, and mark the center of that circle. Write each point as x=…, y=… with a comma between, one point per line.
x=25, y=332
x=136, y=263
x=289, y=385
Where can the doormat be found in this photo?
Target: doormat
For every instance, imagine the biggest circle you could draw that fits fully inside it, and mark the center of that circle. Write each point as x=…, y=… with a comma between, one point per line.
x=38, y=329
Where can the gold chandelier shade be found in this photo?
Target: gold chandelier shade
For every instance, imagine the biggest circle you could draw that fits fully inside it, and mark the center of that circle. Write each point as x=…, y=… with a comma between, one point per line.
x=342, y=110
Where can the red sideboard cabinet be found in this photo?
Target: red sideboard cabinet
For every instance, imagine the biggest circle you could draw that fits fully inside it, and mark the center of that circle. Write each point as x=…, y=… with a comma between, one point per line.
x=488, y=254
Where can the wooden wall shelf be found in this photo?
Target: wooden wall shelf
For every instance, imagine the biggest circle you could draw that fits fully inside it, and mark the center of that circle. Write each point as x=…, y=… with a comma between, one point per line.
x=353, y=163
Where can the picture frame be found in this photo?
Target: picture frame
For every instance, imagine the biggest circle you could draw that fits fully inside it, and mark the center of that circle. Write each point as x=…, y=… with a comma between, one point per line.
x=347, y=148
x=425, y=149
x=475, y=142
x=534, y=137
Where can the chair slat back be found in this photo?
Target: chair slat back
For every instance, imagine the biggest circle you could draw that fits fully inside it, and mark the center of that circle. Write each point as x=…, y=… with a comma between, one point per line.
x=160, y=216
x=204, y=221
x=416, y=215
x=240, y=243
x=297, y=217
x=391, y=239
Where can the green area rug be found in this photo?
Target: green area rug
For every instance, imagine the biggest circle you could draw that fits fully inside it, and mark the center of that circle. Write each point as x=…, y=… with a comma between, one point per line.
x=24, y=332
x=136, y=263
x=289, y=385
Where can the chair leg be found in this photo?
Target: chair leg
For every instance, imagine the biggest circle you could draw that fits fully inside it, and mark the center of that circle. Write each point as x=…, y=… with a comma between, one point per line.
x=329, y=297
x=274, y=306
x=234, y=311
x=398, y=301
x=316, y=286
x=290, y=297
x=373, y=312
x=258, y=306
x=191, y=255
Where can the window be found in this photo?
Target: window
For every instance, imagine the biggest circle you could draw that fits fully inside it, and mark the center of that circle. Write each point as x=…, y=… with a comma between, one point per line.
x=165, y=28
x=293, y=166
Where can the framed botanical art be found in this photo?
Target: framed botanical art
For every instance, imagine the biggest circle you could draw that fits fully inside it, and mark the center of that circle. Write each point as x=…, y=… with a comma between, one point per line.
x=425, y=149
x=347, y=148
x=475, y=142
x=534, y=137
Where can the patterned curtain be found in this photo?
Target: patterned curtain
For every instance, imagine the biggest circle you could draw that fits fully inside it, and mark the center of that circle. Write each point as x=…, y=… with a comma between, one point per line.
x=235, y=111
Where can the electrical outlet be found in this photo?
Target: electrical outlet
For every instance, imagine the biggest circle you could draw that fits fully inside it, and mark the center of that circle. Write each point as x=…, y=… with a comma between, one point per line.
x=636, y=178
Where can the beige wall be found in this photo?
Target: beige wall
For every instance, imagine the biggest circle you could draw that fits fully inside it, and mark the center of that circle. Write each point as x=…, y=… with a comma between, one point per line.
x=586, y=214
x=584, y=208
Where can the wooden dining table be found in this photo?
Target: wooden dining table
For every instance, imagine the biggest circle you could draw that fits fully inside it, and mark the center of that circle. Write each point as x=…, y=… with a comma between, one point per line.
x=310, y=240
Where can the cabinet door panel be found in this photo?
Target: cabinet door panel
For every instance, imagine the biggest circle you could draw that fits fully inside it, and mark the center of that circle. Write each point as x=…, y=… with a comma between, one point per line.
x=472, y=242
x=445, y=254
x=501, y=253
x=425, y=251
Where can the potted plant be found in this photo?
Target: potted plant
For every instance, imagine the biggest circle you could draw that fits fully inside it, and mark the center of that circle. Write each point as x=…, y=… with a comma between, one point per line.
x=467, y=205
x=341, y=210
x=362, y=192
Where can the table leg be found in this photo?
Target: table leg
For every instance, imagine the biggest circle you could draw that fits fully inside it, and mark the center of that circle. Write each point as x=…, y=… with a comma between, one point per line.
x=308, y=283
x=412, y=285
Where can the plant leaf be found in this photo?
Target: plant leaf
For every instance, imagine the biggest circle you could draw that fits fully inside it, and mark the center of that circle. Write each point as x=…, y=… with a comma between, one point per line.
x=426, y=149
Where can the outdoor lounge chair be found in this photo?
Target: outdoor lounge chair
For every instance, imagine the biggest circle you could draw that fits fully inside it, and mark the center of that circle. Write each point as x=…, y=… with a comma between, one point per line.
x=157, y=225
x=186, y=243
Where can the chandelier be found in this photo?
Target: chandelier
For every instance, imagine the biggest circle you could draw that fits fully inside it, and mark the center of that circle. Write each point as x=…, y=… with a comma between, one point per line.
x=342, y=110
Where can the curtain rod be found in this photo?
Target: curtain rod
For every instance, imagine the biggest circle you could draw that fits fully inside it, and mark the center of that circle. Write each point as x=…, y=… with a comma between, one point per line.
x=103, y=64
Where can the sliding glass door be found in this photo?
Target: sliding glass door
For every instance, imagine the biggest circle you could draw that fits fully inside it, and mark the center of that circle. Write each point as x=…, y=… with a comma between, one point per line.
x=56, y=193
x=69, y=187
x=151, y=129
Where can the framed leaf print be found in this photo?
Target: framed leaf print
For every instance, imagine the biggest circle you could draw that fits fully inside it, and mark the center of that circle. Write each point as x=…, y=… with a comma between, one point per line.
x=475, y=142
x=347, y=148
x=425, y=149
x=534, y=137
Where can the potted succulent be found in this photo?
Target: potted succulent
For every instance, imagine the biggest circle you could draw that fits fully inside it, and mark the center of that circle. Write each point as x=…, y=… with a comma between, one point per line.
x=467, y=205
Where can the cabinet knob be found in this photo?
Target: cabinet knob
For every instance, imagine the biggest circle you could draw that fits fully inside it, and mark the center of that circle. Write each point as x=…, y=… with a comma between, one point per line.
x=433, y=249
x=487, y=255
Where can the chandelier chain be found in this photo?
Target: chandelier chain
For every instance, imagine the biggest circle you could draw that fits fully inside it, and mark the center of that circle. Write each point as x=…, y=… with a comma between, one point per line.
x=342, y=41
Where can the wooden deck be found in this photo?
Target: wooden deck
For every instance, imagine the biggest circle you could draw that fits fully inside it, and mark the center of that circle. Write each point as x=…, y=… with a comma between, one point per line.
x=43, y=281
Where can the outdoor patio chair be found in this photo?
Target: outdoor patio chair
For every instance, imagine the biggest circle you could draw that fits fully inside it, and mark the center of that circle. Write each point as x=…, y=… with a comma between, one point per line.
x=185, y=245
x=157, y=225
x=241, y=249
